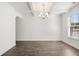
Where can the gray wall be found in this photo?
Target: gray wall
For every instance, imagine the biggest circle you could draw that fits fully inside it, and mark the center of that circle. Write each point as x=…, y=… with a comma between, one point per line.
x=31, y=28
x=71, y=41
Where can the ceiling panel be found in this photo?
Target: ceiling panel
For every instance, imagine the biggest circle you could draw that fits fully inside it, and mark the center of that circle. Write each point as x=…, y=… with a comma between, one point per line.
x=38, y=6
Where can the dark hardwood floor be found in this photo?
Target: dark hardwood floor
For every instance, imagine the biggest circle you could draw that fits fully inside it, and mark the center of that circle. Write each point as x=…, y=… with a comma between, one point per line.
x=42, y=48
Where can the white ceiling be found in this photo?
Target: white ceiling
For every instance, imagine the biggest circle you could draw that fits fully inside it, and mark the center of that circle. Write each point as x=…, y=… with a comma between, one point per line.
x=37, y=6
x=20, y=7
x=56, y=8
x=61, y=7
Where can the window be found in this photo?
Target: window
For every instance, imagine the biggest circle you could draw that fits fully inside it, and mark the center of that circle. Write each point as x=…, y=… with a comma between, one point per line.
x=73, y=25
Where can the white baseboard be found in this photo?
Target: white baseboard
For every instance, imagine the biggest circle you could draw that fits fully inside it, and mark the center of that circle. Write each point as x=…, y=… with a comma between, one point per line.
x=11, y=46
x=38, y=40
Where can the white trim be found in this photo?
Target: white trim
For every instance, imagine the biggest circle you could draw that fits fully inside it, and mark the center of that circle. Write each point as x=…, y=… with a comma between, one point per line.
x=38, y=40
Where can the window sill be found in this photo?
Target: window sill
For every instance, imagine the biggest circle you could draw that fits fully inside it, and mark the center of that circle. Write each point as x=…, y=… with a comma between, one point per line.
x=73, y=37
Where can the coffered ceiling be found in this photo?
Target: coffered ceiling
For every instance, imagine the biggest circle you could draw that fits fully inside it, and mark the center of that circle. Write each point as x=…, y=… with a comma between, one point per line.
x=32, y=8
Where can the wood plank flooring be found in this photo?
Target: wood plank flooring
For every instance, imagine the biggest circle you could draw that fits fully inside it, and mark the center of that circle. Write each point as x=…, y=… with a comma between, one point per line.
x=42, y=48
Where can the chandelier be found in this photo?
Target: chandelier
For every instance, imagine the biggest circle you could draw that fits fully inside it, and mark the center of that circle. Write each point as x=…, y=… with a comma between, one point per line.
x=41, y=9
x=43, y=14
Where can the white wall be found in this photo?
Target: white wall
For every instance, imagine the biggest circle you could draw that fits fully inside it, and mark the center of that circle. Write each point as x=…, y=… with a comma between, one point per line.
x=31, y=28
x=71, y=41
x=7, y=27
